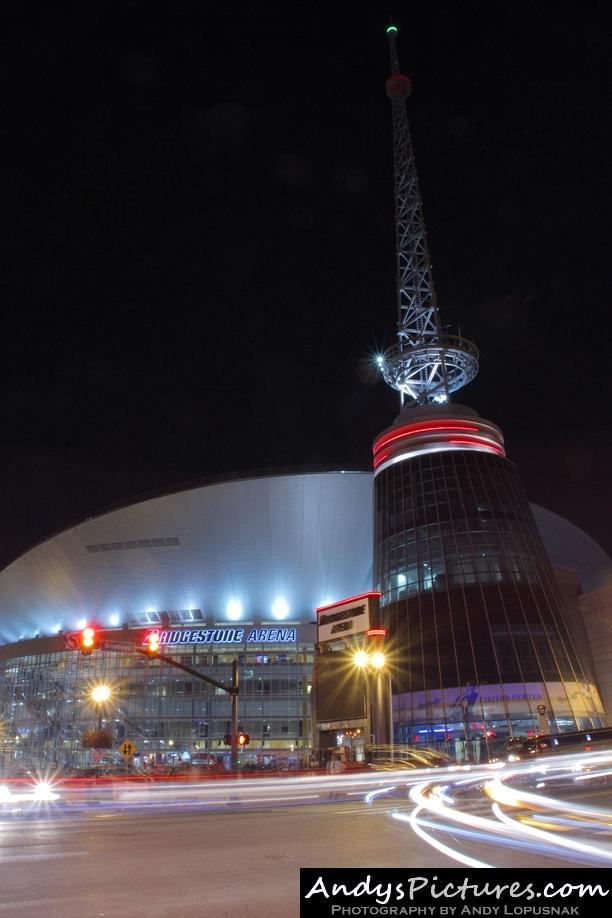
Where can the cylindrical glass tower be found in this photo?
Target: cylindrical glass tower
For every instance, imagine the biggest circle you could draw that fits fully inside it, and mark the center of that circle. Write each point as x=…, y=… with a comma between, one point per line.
x=479, y=640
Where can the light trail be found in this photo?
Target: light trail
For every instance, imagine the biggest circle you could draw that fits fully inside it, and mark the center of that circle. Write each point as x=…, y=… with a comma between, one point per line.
x=453, y=853
x=544, y=825
x=474, y=815
x=571, y=843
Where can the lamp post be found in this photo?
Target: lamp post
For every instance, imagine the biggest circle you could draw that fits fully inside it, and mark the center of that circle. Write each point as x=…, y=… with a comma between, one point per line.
x=377, y=692
x=361, y=659
x=100, y=695
x=380, y=682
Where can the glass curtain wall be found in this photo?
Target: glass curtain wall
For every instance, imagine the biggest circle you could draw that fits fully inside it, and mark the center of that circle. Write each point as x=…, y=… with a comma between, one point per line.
x=45, y=706
x=478, y=631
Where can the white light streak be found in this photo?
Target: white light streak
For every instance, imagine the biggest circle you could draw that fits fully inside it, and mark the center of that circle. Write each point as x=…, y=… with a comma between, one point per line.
x=412, y=819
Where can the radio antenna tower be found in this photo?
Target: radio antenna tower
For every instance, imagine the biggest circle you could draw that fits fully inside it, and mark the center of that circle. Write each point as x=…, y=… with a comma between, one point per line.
x=426, y=365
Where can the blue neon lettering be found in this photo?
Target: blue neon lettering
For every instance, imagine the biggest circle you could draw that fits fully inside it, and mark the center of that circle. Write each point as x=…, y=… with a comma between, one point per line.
x=225, y=635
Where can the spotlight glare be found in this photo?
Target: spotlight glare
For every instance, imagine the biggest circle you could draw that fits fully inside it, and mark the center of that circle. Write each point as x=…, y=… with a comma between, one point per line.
x=234, y=609
x=280, y=609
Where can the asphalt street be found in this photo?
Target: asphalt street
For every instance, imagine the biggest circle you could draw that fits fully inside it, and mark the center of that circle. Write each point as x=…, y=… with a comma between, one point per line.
x=191, y=864
x=224, y=850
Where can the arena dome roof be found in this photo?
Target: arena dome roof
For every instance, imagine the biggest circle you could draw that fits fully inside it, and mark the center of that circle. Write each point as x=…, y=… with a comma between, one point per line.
x=266, y=548
x=271, y=548
x=570, y=548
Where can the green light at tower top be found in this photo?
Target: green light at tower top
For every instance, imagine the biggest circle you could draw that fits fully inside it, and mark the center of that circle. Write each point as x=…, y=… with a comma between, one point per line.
x=391, y=28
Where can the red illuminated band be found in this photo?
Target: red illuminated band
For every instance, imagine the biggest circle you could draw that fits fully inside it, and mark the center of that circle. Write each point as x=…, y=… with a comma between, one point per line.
x=376, y=632
x=380, y=459
x=411, y=430
x=459, y=441
x=343, y=602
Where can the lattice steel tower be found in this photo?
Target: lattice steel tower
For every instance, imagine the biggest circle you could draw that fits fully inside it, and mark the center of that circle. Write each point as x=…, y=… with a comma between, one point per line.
x=482, y=647
x=426, y=365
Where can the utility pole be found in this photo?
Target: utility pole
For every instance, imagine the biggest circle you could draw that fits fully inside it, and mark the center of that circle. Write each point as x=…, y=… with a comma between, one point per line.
x=232, y=690
x=234, y=714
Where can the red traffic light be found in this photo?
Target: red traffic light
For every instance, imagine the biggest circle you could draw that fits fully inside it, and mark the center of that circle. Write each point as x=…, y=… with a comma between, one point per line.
x=152, y=642
x=89, y=640
x=243, y=739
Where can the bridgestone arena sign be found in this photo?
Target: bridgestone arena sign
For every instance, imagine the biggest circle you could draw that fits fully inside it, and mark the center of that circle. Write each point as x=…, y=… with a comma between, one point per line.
x=168, y=636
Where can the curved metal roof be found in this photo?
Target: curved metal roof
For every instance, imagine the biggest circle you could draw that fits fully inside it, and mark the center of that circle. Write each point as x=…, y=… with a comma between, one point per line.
x=569, y=548
x=281, y=544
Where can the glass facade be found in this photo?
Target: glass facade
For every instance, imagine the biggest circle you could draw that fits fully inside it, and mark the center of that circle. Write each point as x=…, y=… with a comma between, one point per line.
x=478, y=634
x=46, y=706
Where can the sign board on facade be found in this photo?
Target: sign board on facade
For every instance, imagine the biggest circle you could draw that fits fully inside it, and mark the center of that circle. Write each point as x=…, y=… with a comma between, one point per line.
x=347, y=618
x=116, y=645
x=169, y=637
x=491, y=701
x=172, y=636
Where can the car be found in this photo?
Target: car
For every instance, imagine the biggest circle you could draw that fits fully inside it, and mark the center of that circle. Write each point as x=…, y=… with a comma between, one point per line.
x=404, y=758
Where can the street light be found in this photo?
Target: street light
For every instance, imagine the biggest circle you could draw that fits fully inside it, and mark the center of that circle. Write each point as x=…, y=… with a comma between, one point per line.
x=365, y=660
x=100, y=695
x=377, y=688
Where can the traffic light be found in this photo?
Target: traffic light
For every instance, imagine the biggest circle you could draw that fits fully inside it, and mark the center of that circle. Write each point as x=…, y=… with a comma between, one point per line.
x=243, y=739
x=153, y=642
x=227, y=739
x=89, y=640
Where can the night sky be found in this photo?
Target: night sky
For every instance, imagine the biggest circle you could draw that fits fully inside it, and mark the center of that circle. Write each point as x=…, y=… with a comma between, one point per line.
x=198, y=241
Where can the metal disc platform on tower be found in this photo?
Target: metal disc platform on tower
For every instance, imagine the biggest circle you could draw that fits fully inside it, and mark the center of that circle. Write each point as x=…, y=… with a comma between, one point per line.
x=430, y=372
